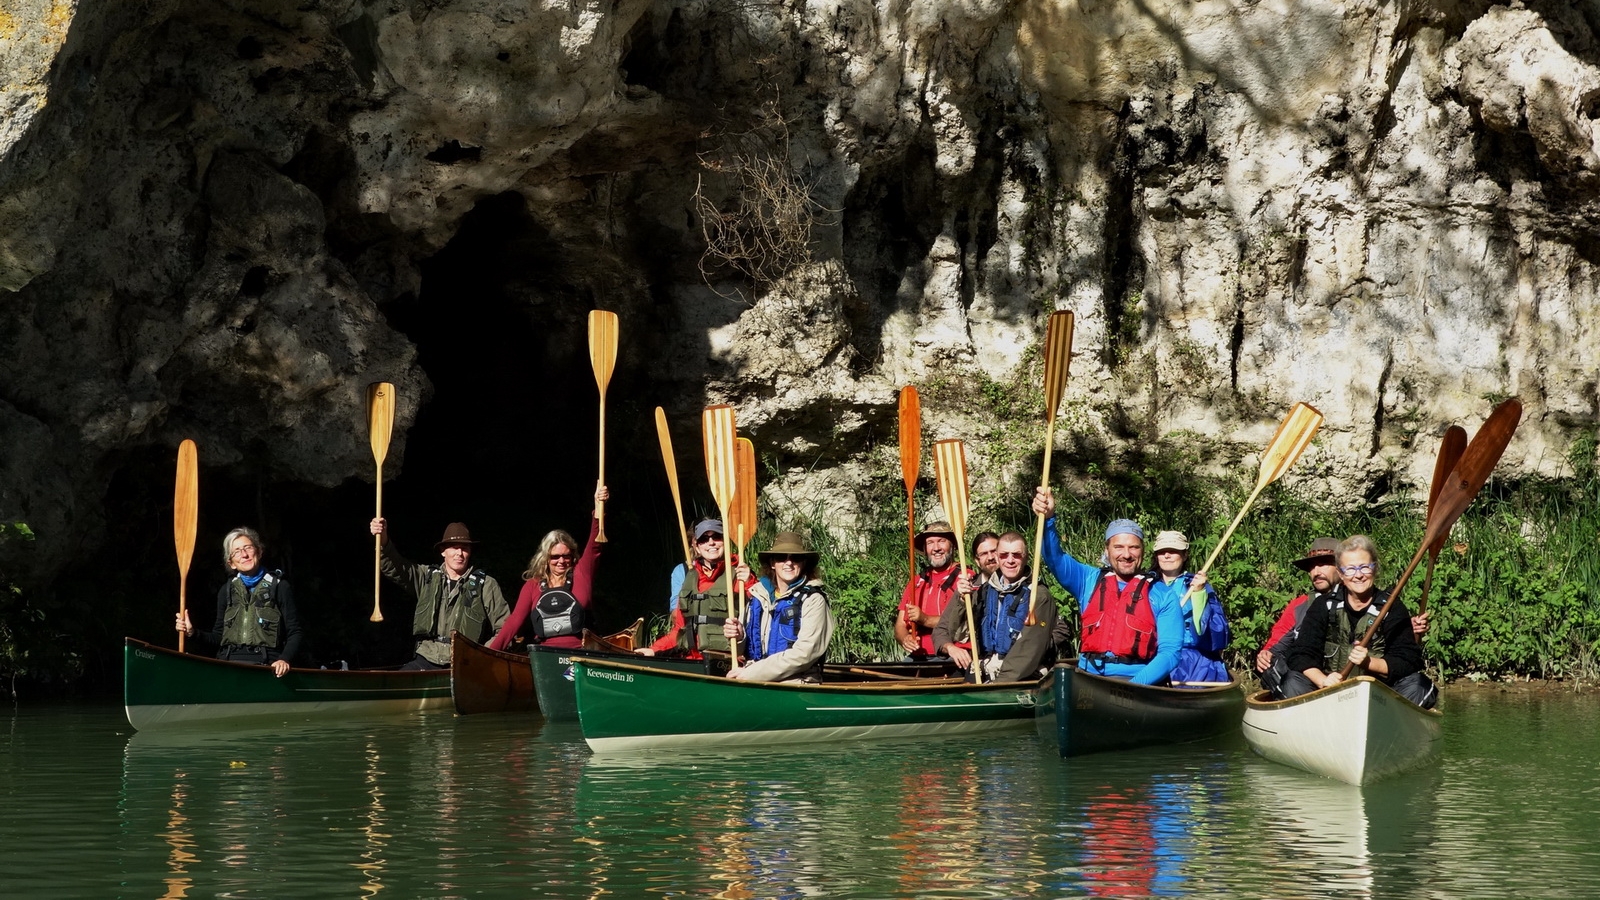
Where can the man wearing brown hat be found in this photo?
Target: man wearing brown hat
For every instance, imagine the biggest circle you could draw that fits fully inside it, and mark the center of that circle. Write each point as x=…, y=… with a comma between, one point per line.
x=452, y=596
x=928, y=592
x=1319, y=563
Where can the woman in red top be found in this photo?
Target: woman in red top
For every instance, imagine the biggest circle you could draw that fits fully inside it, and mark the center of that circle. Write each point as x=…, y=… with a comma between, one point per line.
x=556, y=591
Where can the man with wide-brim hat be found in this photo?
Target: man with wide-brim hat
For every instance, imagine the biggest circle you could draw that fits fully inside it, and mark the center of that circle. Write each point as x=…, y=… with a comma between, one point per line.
x=1129, y=621
x=451, y=596
x=787, y=625
x=1318, y=563
x=928, y=592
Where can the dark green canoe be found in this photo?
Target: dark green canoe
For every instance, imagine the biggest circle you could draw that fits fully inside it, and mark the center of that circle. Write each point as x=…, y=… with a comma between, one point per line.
x=625, y=707
x=552, y=675
x=165, y=689
x=1087, y=713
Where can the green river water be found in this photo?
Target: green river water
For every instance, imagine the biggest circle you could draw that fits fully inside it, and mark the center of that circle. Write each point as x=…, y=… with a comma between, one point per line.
x=508, y=806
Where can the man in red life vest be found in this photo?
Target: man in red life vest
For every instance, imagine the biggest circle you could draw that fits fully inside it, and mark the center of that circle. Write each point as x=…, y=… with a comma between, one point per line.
x=928, y=592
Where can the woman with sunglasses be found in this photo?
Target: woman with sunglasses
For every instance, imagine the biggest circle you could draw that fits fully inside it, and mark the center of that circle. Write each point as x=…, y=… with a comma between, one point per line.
x=787, y=626
x=1328, y=635
x=557, y=587
x=700, y=606
x=256, y=619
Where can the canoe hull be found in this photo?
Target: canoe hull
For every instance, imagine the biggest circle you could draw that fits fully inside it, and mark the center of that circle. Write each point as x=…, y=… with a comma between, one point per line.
x=166, y=689
x=625, y=708
x=553, y=676
x=484, y=680
x=1087, y=713
x=1358, y=731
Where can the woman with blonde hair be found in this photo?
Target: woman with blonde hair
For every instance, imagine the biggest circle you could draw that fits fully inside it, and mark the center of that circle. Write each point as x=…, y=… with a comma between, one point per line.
x=557, y=588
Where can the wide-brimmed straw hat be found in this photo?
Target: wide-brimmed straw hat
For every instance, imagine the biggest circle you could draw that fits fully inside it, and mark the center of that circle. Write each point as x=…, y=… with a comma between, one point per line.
x=940, y=528
x=788, y=543
x=1320, y=554
x=455, y=533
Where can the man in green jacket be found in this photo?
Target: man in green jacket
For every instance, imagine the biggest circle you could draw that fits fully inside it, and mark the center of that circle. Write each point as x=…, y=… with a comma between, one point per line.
x=451, y=596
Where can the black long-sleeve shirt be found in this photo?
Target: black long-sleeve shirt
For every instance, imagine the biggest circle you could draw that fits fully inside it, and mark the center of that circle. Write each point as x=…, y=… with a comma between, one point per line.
x=1394, y=635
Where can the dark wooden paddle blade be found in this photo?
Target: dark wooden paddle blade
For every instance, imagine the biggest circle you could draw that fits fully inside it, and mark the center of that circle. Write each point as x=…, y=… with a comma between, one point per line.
x=744, y=453
x=1450, y=449
x=1473, y=469
x=1057, y=360
x=602, y=346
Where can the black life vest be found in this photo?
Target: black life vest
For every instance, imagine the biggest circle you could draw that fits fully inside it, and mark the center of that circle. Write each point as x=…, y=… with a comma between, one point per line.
x=254, y=617
x=1118, y=622
x=558, y=613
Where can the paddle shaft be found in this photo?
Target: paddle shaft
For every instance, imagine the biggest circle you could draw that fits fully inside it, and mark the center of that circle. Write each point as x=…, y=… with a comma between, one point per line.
x=600, y=505
x=1038, y=531
x=380, y=426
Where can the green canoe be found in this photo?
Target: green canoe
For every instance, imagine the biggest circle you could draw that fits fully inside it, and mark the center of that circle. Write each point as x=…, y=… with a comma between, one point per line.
x=552, y=675
x=625, y=707
x=166, y=689
x=1087, y=713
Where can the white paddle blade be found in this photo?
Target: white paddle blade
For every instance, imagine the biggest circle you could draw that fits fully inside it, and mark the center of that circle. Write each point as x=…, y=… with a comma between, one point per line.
x=950, y=468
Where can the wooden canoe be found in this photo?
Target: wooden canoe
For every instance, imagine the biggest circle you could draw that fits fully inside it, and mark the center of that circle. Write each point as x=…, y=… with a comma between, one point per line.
x=166, y=689
x=484, y=680
x=1357, y=731
x=627, y=708
x=1087, y=713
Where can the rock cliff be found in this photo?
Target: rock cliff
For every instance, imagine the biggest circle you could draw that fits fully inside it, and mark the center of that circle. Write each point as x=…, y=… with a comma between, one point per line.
x=221, y=220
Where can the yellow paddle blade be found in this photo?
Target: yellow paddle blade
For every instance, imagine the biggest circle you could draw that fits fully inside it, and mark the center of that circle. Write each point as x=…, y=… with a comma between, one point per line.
x=186, y=504
x=721, y=464
x=1057, y=359
x=950, y=468
x=745, y=493
x=380, y=417
x=1293, y=435
x=602, y=345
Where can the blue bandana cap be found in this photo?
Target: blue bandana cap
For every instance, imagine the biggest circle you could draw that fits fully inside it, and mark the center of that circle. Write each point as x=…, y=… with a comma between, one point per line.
x=1124, y=526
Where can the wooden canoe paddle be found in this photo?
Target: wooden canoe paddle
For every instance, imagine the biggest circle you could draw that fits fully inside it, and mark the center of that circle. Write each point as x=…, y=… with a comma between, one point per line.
x=744, y=505
x=1466, y=479
x=1057, y=359
x=603, y=356
x=671, y=463
x=1450, y=450
x=380, y=424
x=722, y=471
x=1293, y=435
x=950, y=468
x=185, y=518
x=911, y=463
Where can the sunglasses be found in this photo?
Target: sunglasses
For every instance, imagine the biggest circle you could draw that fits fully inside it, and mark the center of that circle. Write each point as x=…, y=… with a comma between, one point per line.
x=1011, y=554
x=708, y=537
x=788, y=558
x=556, y=556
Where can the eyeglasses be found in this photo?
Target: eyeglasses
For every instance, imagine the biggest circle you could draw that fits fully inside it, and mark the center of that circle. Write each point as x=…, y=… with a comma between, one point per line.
x=708, y=537
x=556, y=556
x=1362, y=569
x=246, y=550
x=1011, y=554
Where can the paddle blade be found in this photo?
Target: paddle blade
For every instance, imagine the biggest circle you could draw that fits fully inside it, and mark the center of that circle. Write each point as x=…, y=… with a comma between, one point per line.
x=1293, y=435
x=1450, y=450
x=950, y=468
x=1473, y=469
x=670, y=461
x=380, y=417
x=186, y=504
x=721, y=466
x=744, y=504
x=1057, y=359
x=910, y=436
x=602, y=345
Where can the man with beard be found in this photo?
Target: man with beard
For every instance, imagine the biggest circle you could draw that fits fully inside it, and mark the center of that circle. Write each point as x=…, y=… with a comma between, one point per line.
x=1318, y=563
x=1130, y=621
x=1006, y=648
x=928, y=592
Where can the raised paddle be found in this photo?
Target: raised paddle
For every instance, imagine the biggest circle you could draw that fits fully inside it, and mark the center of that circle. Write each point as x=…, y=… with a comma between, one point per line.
x=380, y=424
x=1466, y=479
x=1057, y=358
x=603, y=356
x=1450, y=450
x=671, y=463
x=910, y=463
x=185, y=515
x=950, y=468
x=744, y=504
x=1293, y=434
x=722, y=472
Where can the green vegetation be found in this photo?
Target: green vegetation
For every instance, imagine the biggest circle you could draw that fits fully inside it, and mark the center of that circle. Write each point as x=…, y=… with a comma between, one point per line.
x=31, y=646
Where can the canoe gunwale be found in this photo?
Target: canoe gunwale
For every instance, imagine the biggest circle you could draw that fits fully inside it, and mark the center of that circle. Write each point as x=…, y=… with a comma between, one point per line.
x=1257, y=700
x=917, y=685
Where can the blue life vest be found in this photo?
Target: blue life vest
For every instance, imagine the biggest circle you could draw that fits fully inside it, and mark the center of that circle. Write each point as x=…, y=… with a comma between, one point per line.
x=786, y=622
x=1003, y=616
x=1200, y=657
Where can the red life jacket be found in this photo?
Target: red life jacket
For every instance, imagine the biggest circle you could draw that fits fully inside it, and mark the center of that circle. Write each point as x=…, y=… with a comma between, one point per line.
x=1120, y=621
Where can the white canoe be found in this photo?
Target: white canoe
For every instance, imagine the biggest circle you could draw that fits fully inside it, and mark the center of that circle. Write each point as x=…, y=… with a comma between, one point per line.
x=1357, y=731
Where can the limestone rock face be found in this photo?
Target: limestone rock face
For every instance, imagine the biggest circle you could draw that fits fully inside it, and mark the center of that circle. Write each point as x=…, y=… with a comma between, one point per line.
x=210, y=214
